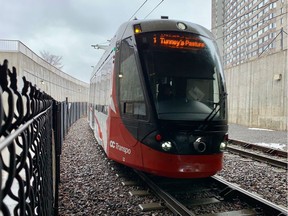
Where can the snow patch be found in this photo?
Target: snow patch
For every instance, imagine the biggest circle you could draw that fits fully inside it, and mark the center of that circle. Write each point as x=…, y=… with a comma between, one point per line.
x=280, y=146
x=261, y=129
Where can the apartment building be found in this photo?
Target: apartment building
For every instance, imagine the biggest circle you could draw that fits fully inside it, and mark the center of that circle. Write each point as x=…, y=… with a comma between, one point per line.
x=252, y=38
x=247, y=29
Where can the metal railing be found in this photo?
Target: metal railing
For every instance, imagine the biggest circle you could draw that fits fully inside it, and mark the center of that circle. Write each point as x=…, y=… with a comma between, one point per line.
x=32, y=128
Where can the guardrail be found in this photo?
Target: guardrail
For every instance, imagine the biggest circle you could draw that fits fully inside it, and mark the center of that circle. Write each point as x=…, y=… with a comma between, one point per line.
x=32, y=128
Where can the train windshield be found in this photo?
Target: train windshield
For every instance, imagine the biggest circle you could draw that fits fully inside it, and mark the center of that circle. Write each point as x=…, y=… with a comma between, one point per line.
x=184, y=75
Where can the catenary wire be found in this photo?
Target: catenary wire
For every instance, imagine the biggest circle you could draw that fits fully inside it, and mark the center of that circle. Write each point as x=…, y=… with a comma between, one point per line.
x=138, y=9
x=262, y=21
x=244, y=14
x=154, y=9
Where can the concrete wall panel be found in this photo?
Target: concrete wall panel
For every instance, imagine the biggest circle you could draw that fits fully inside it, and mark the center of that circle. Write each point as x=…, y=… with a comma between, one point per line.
x=256, y=98
x=46, y=77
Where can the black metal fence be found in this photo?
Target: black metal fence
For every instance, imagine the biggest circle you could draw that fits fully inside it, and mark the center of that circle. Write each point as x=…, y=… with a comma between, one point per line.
x=32, y=129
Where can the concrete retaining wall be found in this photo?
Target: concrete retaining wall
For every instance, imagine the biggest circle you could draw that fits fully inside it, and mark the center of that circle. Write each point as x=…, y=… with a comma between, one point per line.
x=47, y=77
x=257, y=92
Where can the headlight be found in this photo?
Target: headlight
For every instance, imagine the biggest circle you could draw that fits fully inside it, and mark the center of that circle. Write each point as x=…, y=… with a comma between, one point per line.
x=166, y=146
x=223, y=146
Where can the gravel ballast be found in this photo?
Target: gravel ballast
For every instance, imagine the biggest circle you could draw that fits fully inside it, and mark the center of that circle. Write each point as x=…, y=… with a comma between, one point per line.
x=88, y=185
x=256, y=177
x=88, y=181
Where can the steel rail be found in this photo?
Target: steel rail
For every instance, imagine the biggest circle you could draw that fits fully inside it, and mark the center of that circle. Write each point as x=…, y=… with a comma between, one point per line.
x=269, y=207
x=265, y=149
x=174, y=205
x=262, y=158
x=228, y=191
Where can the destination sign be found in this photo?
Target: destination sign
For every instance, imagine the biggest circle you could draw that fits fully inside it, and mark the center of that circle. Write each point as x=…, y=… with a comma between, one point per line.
x=177, y=41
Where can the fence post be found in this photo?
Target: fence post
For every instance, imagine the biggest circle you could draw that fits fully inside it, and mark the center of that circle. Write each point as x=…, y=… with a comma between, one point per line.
x=58, y=141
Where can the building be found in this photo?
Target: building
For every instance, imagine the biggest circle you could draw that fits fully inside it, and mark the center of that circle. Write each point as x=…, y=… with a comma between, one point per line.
x=252, y=38
x=247, y=29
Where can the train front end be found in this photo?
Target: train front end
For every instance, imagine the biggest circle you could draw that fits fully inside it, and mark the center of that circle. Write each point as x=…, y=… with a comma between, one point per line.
x=181, y=115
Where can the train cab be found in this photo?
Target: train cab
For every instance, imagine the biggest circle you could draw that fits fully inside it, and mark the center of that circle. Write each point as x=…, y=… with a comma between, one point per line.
x=164, y=108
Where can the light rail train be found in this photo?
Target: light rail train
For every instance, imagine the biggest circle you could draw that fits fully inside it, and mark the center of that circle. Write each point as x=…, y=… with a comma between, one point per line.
x=157, y=99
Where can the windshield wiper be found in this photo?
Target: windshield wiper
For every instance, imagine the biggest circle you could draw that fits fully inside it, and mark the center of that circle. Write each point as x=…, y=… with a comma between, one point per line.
x=213, y=113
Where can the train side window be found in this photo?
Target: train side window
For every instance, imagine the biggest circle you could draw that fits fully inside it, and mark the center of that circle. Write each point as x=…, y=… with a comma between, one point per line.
x=131, y=92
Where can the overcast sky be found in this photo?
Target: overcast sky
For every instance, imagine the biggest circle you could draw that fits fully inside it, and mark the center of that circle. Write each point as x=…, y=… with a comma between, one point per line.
x=68, y=28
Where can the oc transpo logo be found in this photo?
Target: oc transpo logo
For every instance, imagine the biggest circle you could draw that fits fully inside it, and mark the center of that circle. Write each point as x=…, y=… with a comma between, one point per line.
x=119, y=147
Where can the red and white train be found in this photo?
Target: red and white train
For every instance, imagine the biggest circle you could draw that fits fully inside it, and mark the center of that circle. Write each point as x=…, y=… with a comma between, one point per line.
x=158, y=99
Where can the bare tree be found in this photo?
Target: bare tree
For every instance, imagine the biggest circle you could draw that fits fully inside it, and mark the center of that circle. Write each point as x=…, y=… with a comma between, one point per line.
x=54, y=60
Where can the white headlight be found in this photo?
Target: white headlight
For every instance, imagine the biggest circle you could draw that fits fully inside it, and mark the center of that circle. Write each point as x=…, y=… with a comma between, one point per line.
x=166, y=146
x=223, y=146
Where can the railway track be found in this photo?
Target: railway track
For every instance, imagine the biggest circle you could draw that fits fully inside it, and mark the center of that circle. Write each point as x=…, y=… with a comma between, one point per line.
x=211, y=196
x=262, y=154
x=266, y=150
x=206, y=197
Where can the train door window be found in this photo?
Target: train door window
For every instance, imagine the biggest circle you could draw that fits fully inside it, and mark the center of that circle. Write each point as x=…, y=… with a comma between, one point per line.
x=130, y=88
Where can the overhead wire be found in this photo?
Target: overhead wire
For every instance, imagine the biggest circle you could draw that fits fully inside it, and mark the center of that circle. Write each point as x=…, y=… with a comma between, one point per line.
x=274, y=39
x=247, y=27
x=251, y=13
x=149, y=12
x=244, y=14
x=135, y=14
x=154, y=9
x=138, y=9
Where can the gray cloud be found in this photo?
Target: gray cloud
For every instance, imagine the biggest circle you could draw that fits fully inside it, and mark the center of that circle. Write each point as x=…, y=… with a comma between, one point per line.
x=69, y=27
